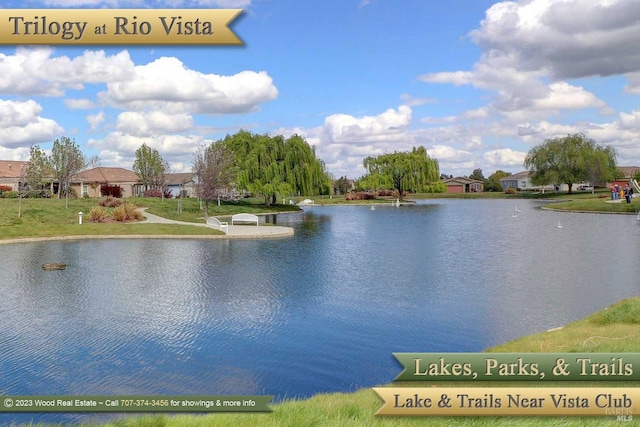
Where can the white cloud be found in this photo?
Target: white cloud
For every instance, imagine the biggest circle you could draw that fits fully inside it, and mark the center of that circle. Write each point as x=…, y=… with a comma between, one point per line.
x=21, y=124
x=152, y=123
x=504, y=158
x=171, y=147
x=410, y=101
x=568, y=38
x=385, y=127
x=79, y=104
x=33, y=71
x=20, y=153
x=95, y=120
x=167, y=82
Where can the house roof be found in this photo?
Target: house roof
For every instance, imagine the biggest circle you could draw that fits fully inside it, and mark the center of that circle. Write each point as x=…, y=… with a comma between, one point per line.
x=105, y=174
x=179, y=178
x=12, y=168
x=516, y=176
x=629, y=171
x=461, y=180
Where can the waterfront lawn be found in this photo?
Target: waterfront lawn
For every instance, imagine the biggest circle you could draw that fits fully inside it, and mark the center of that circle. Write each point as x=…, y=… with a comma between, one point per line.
x=614, y=329
x=50, y=217
x=595, y=204
x=191, y=212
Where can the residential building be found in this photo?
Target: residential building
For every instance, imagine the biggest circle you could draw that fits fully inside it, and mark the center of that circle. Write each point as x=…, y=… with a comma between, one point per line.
x=463, y=185
x=12, y=173
x=87, y=183
x=178, y=182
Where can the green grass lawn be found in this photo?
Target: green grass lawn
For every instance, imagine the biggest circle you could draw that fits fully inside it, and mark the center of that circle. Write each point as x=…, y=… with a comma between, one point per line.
x=50, y=217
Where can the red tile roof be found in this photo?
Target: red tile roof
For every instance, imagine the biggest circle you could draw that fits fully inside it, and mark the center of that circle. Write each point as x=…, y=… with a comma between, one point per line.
x=105, y=174
x=12, y=168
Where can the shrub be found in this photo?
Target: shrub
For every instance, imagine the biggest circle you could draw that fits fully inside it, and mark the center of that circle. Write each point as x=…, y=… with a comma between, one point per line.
x=126, y=212
x=387, y=193
x=510, y=190
x=111, y=190
x=157, y=193
x=97, y=214
x=360, y=196
x=119, y=213
x=132, y=212
x=110, y=202
x=5, y=188
x=9, y=194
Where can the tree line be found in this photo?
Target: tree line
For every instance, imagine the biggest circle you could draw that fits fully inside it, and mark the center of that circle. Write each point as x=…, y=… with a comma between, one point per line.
x=277, y=167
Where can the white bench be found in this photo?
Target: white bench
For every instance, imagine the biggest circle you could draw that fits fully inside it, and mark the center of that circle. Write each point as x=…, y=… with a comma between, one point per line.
x=244, y=217
x=217, y=224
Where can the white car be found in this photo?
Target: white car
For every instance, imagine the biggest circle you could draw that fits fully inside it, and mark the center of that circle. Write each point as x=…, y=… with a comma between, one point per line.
x=585, y=188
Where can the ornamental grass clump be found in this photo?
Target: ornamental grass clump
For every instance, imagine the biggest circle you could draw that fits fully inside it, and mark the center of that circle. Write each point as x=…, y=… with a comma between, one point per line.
x=126, y=212
x=97, y=214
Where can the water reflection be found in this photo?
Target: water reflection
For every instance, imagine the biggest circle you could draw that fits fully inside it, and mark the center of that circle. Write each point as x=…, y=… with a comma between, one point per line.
x=282, y=316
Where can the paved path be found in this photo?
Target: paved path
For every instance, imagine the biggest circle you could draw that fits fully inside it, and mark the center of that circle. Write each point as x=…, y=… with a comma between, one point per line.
x=235, y=231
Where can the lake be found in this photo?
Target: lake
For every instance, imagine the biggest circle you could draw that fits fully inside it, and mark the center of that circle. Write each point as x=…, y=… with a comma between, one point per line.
x=322, y=311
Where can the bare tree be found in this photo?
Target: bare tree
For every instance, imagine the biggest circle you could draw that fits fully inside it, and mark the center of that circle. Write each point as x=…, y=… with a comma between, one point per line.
x=66, y=160
x=215, y=171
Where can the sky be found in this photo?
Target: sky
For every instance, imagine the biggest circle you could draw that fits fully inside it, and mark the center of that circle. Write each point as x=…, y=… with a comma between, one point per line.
x=477, y=83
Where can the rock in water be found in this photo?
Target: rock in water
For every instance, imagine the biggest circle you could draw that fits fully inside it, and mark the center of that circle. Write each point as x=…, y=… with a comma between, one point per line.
x=54, y=266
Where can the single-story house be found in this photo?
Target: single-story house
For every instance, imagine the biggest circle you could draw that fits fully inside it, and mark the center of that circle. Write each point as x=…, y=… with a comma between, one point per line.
x=87, y=183
x=522, y=182
x=12, y=173
x=463, y=185
x=178, y=182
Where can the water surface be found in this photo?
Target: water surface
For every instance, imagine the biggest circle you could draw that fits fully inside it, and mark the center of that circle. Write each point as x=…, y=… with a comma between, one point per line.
x=319, y=312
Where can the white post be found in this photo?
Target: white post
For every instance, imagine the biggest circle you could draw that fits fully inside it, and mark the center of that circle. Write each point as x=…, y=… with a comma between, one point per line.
x=80, y=218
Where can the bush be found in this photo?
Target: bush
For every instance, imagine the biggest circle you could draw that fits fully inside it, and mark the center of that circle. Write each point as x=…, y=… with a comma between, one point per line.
x=387, y=193
x=132, y=212
x=510, y=190
x=9, y=194
x=97, y=214
x=4, y=188
x=119, y=213
x=360, y=196
x=157, y=193
x=111, y=190
x=126, y=212
x=110, y=202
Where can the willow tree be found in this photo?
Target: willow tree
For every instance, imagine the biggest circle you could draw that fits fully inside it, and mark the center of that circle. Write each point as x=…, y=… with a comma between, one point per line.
x=570, y=159
x=411, y=171
x=273, y=166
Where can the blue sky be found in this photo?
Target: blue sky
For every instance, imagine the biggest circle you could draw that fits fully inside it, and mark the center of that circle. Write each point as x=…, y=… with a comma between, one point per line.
x=478, y=83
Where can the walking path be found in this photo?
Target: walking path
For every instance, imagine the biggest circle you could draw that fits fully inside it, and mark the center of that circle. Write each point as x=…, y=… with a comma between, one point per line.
x=234, y=231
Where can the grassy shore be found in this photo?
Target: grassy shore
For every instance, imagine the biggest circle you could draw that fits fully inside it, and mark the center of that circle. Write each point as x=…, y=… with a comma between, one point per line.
x=614, y=329
x=42, y=218
x=50, y=217
x=578, y=201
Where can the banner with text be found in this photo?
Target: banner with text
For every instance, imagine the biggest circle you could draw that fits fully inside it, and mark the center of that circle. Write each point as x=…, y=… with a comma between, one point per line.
x=519, y=366
x=118, y=26
x=53, y=403
x=621, y=403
